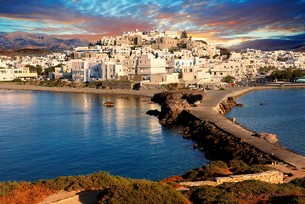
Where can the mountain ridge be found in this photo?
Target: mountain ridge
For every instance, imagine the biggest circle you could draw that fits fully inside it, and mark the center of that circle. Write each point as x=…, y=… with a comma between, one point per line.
x=23, y=40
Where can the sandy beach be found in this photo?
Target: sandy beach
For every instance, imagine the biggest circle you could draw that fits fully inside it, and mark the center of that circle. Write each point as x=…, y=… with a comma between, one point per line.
x=121, y=92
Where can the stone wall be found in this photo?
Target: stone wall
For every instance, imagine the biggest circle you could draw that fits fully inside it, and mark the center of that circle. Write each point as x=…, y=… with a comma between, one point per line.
x=268, y=176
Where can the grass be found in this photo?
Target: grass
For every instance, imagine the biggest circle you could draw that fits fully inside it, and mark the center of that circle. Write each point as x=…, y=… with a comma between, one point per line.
x=248, y=192
x=219, y=168
x=113, y=189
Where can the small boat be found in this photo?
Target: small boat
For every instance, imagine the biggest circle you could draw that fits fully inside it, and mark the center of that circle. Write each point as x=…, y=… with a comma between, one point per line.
x=108, y=104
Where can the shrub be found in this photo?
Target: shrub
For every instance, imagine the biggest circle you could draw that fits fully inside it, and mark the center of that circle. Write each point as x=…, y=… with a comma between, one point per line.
x=17, y=80
x=240, y=167
x=205, y=194
x=214, y=169
x=7, y=187
x=141, y=192
x=70, y=183
x=298, y=182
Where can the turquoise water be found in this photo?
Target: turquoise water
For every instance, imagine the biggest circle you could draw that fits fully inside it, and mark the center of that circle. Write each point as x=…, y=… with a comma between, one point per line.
x=45, y=135
x=281, y=112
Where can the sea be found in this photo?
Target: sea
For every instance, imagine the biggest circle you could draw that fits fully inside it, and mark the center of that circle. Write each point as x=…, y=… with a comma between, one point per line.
x=277, y=111
x=45, y=135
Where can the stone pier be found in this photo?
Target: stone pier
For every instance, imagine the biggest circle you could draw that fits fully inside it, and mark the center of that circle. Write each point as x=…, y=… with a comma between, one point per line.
x=208, y=111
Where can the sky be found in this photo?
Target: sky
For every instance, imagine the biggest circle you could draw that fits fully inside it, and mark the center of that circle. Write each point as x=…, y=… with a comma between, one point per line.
x=235, y=23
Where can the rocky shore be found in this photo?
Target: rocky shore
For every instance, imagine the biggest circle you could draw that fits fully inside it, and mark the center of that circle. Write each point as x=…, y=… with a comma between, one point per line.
x=215, y=142
x=222, y=138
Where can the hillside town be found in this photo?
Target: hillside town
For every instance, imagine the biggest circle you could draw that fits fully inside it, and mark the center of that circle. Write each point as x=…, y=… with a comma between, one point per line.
x=151, y=58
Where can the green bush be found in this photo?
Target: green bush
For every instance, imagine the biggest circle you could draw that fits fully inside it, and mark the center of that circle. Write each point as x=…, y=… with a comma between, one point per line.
x=70, y=183
x=17, y=80
x=214, y=169
x=240, y=167
x=205, y=194
x=298, y=182
x=248, y=191
x=7, y=187
x=141, y=192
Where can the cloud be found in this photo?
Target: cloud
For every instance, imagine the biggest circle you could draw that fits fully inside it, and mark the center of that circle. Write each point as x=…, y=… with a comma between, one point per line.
x=283, y=43
x=217, y=20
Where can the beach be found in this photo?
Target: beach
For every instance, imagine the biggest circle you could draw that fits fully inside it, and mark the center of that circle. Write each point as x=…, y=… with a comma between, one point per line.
x=121, y=92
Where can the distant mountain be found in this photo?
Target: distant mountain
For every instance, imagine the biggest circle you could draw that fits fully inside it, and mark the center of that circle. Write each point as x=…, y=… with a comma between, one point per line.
x=23, y=40
x=25, y=52
x=300, y=48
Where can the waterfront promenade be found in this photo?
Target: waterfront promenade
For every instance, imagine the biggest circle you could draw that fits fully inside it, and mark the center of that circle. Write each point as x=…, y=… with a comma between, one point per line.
x=207, y=111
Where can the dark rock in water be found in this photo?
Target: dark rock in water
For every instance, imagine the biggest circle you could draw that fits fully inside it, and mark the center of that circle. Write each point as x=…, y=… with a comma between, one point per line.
x=174, y=103
x=220, y=145
x=239, y=104
x=227, y=105
x=190, y=96
x=153, y=112
x=262, y=104
x=165, y=96
x=171, y=110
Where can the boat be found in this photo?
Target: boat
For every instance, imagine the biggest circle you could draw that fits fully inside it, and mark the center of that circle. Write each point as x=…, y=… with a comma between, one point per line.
x=108, y=104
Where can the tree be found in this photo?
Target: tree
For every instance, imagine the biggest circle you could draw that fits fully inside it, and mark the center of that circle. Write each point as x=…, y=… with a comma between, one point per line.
x=228, y=79
x=224, y=51
x=204, y=42
x=298, y=73
x=99, y=42
x=47, y=70
x=34, y=69
x=183, y=34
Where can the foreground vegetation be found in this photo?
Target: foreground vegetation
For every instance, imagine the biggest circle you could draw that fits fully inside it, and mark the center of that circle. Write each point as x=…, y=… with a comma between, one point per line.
x=250, y=192
x=114, y=189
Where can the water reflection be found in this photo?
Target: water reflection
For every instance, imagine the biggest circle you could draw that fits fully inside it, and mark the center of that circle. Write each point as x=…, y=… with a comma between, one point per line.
x=72, y=134
x=21, y=99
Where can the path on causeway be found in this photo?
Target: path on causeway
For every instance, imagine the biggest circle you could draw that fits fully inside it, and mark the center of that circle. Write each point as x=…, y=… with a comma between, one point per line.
x=205, y=111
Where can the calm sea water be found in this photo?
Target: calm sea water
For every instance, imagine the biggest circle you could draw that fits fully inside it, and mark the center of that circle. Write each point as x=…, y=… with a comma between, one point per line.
x=281, y=112
x=45, y=135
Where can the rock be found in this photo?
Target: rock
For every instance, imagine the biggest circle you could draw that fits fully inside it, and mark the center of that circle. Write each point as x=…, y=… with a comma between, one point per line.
x=190, y=96
x=239, y=104
x=171, y=110
x=272, y=138
x=153, y=112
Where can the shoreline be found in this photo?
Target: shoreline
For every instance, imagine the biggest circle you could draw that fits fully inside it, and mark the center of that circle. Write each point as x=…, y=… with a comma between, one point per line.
x=118, y=92
x=208, y=110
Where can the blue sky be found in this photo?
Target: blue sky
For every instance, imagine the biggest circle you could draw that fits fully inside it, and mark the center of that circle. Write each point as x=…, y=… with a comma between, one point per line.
x=231, y=22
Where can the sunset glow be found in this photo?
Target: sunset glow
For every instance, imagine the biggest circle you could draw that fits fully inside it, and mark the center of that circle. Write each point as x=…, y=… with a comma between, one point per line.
x=220, y=21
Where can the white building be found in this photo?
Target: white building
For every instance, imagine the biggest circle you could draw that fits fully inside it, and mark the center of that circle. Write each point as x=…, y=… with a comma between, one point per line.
x=9, y=74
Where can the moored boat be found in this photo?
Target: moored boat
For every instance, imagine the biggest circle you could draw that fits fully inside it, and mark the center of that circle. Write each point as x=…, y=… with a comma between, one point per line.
x=108, y=104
